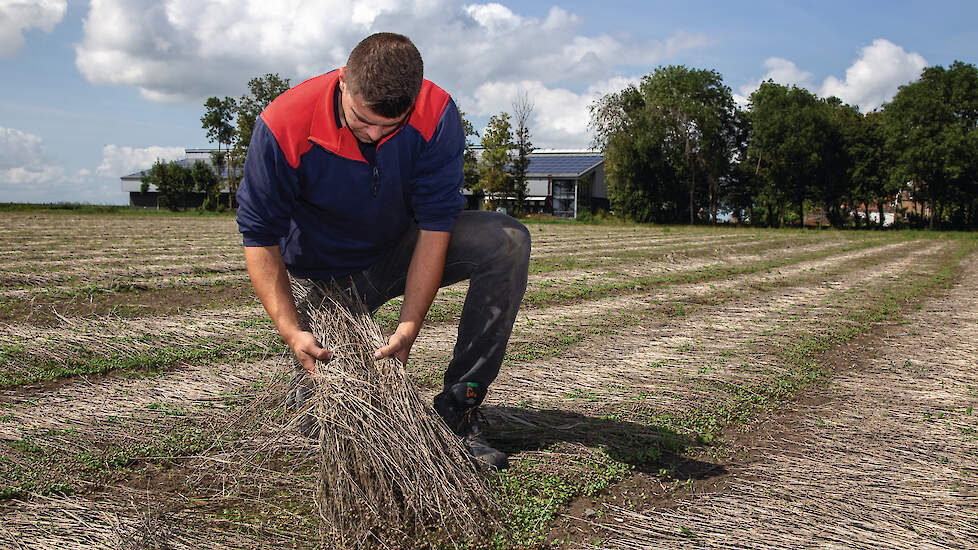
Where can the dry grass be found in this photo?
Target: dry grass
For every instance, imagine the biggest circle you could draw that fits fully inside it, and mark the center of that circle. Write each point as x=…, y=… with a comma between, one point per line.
x=384, y=470
x=390, y=466
x=651, y=350
x=887, y=460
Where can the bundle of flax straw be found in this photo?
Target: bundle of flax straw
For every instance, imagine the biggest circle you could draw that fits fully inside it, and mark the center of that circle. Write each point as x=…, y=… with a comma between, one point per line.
x=391, y=470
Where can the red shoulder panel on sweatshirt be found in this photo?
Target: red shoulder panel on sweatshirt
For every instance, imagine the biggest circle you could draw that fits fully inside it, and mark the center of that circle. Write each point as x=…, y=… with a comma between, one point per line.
x=428, y=109
x=305, y=114
x=288, y=116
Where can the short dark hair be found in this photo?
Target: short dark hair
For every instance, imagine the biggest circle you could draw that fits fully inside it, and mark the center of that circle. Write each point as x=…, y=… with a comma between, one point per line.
x=386, y=70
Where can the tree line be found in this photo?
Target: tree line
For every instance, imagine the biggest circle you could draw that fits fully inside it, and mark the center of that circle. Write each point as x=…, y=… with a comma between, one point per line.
x=229, y=122
x=678, y=149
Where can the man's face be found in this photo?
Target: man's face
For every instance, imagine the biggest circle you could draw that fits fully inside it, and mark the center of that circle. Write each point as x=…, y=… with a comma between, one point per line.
x=367, y=126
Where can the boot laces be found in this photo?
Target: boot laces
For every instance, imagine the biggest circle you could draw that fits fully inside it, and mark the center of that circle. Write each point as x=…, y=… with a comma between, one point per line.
x=474, y=417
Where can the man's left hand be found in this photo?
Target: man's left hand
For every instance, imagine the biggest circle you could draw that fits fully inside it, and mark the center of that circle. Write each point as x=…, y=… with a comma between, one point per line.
x=398, y=346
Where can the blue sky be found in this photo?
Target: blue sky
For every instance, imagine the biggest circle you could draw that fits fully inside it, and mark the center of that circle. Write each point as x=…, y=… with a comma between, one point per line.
x=92, y=91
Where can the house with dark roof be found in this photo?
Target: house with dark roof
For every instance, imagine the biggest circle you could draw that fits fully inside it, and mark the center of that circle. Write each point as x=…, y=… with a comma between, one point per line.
x=564, y=183
x=560, y=182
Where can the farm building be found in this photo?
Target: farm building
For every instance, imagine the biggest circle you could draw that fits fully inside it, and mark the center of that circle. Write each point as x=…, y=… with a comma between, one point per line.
x=132, y=183
x=570, y=181
x=560, y=182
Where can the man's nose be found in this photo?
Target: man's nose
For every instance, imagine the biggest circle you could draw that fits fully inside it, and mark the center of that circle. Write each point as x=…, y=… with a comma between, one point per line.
x=375, y=133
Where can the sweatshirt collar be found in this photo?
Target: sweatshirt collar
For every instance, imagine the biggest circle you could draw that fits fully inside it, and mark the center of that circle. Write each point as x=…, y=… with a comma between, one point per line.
x=324, y=130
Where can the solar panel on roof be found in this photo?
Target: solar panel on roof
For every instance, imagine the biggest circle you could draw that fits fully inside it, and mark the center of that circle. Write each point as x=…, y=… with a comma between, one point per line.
x=562, y=164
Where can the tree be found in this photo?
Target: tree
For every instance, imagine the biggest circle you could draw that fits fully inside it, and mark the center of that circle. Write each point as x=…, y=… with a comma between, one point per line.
x=697, y=109
x=219, y=162
x=522, y=109
x=869, y=178
x=641, y=184
x=497, y=141
x=217, y=119
x=786, y=146
x=173, y=182
x=931, y=127
x=470, y=162
x=736, y=184
x=659, y=136
x=206, y=181
x=833, y=189
x=262, y=91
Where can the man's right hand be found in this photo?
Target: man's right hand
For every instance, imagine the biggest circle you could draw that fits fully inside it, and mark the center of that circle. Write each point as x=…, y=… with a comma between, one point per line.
x=307, y=350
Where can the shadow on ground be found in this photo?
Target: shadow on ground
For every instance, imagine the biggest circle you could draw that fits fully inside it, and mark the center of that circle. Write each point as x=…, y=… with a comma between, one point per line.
x=647, y=448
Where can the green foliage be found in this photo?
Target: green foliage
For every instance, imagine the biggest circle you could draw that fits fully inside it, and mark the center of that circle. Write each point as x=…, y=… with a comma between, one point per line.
x=522, y=109
x=534, y=494
x=173, y=181
x=675, y=147
x=497, y=141
x=678, y=127
x=206, y=181
x=470, y=162
x=262, y=91
x=870, y=164
x=217, y=118
x=787, y=146
x=931, y=128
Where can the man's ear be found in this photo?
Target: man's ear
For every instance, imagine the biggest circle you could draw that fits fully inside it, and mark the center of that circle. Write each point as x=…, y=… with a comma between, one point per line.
x=342, y=79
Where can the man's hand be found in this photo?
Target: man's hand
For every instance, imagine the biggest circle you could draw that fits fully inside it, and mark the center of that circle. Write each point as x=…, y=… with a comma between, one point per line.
x=398, y=345
x=307, y=350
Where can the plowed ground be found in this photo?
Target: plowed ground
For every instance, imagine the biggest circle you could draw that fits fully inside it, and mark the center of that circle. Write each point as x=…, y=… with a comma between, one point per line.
x=663, y=386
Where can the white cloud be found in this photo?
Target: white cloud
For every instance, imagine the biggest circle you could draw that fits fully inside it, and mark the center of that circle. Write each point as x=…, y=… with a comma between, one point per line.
x=20, y=149
x=189, y=49
x=560, y=117
x=17, y=16
x=24, y=161
x=786, y=72
x=873, y=79
x=494, y=17
x=27, y=174
x=870, y=81
x=779, y=70
x=121, y=161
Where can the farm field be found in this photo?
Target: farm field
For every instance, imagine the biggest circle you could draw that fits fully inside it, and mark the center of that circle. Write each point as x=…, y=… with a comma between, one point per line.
x=656, y=377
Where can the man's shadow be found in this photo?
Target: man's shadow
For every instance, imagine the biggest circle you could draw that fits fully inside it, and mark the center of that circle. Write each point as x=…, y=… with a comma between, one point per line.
x=648, y=449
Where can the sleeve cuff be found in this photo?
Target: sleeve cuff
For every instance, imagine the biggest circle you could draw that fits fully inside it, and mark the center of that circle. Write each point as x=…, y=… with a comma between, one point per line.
x=259, y=239
x=438, y=225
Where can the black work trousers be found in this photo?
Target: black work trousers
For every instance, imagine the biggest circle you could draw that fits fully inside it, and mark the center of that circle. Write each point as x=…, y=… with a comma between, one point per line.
x=489, y=249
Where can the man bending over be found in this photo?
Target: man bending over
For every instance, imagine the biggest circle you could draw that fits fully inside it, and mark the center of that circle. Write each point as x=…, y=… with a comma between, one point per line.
x=354, y=176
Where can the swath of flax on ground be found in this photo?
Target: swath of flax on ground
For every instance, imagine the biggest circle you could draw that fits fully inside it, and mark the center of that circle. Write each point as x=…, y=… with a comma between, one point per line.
x=886, y=460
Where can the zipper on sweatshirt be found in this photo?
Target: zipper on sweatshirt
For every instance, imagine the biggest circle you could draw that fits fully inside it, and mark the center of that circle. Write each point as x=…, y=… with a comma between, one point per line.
x=375, y=186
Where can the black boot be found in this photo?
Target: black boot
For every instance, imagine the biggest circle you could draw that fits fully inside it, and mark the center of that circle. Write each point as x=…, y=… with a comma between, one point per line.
x=458, y=405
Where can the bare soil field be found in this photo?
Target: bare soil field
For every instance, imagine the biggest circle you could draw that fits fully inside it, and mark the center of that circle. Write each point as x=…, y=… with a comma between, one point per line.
x=664, y=387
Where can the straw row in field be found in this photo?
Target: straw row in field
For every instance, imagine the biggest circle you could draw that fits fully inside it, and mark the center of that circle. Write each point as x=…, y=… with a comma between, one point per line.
x=38, y=360
x=144, y=295
x=596, y=346
x=887, y=460
x=538, y=333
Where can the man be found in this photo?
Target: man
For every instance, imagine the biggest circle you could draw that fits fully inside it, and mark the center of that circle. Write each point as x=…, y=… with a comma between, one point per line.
x=355, y=176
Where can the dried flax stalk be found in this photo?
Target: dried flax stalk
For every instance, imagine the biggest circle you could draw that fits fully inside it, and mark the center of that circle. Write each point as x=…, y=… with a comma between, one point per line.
x=391, y=470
